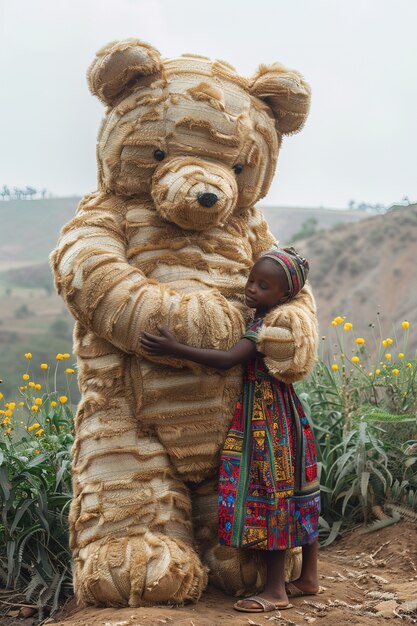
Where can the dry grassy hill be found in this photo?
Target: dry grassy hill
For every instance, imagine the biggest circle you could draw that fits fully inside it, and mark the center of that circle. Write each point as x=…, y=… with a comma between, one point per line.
x=364, y=268
x=32, y=317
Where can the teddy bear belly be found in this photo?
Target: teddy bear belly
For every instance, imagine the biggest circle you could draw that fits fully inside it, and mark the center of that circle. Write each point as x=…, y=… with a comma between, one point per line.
x=190, y=411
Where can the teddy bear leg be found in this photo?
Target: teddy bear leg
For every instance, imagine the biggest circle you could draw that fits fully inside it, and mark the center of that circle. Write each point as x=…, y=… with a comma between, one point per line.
x=235, y=571
x=131, y=529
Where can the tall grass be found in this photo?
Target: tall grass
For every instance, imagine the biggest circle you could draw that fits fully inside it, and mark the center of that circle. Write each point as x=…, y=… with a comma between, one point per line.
x=362, y=404
x=35, y=488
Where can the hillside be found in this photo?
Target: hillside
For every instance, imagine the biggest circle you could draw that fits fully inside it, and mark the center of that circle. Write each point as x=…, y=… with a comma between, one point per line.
x=30, y=228
x=284, y=222
x=366, y=268
x=32, y=317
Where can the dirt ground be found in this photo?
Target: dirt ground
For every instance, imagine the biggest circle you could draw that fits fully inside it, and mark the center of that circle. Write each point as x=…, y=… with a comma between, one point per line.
x=367, y=578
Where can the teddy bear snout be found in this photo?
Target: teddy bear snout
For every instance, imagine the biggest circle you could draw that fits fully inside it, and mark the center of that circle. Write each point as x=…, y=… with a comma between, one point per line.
x=193, y=193
x=207, y=199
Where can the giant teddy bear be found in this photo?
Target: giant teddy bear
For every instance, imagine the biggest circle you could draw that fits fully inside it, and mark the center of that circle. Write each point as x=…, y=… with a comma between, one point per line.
x=186, y=148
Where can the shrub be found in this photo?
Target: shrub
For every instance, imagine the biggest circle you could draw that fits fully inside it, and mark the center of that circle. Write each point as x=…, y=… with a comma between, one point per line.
x=36, y=436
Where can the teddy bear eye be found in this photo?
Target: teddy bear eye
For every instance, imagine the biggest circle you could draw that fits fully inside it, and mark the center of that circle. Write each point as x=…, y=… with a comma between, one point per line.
x=159, y=155
x=238, y=168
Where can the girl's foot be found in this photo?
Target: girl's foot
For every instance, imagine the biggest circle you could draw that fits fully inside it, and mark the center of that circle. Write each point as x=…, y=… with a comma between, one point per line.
x=301, y=587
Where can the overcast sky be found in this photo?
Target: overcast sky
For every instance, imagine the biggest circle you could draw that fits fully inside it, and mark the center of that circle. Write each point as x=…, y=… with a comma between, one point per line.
x=360, y=57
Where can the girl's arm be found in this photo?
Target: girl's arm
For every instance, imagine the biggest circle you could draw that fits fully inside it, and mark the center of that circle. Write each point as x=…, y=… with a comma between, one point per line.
x=167, y=343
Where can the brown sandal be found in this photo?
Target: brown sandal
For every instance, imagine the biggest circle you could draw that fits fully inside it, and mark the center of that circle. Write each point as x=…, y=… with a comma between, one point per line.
x=264, y=605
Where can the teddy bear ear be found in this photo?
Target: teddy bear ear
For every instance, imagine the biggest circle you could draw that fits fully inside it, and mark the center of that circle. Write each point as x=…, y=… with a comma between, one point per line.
x=118, y=65
x=285, y=92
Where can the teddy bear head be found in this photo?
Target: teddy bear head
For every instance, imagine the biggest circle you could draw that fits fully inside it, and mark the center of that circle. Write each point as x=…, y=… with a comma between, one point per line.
x=191, y=135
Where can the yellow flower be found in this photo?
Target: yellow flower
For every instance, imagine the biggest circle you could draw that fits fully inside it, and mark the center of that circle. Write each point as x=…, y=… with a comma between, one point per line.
x=35, y=408
x=35, y=425
x=21, y=404
x=38, y=386
x=37, y=451
x=370, y=374
x=25, y=376
x=388, y=355
x=6, y=421
x=11, y=405
x=28, y=355
x=1, y=396
x=66, y=355
x=39, y=432
x=409, y=365
x=405, y=324
x=53, y=404
x=355, y=359
x=44, y=366
x=389, y=341
x=2, y=412
x=395, y=372
x=59, y=356
x=335, y=367
x=348, y=326
x=360, y=341
x=69, y=370
x=31, y=384
x=337, y=320
x=384, y=343
x=38, y=401
x=8, y=413
x=9, y=430
x=63, y=399
x=401, y=355
x=23, y=388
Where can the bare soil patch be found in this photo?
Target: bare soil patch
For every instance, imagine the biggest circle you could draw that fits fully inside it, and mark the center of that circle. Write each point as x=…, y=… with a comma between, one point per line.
x=367, y=578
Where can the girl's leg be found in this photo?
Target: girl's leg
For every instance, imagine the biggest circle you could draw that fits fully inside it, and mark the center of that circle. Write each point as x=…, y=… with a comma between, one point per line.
x=309, y=581
x=275, y=581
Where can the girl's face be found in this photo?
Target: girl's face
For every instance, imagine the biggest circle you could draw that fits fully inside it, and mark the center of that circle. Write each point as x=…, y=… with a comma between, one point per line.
x=267, y=286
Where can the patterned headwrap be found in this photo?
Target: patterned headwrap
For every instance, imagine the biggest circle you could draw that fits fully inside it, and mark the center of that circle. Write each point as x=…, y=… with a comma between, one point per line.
x=295, y=267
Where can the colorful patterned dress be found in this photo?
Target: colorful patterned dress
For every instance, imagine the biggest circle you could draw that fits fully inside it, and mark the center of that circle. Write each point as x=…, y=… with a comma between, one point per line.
x=268, y=494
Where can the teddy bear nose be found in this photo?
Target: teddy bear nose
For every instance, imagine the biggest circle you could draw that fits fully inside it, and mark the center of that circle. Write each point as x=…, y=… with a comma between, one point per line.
x=207, y=199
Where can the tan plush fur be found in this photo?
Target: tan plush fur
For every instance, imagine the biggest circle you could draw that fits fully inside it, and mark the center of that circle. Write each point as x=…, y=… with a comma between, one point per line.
x=143, y=251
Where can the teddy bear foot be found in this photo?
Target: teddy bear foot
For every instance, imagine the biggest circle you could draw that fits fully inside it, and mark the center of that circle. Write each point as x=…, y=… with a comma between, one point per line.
x=243, y=572
x=138, y=571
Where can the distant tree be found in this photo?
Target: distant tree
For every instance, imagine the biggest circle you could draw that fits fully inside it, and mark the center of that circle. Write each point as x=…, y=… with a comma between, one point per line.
x=308, y=229
x=60, y=328
x=30, y=191
x=22, y=312
x=44, y=192
x=5, y=192
x=17, y=193
x=351, y=204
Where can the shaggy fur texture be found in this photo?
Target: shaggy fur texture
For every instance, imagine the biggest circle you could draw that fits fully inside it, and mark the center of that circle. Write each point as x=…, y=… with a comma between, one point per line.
x=142, y=251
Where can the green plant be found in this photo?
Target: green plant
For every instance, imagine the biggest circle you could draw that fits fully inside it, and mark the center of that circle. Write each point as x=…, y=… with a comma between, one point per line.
x=36, y=436
x=363, y=419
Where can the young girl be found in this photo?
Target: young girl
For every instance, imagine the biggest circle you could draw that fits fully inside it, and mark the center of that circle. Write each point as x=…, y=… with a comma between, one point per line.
x=268, y=487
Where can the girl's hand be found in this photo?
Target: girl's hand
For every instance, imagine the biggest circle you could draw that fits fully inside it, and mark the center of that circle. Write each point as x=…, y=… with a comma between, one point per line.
x=156, y=345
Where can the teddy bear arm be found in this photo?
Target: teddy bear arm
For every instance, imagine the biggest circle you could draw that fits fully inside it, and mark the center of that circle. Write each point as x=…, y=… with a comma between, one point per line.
x=117, y=301
x=289, y=336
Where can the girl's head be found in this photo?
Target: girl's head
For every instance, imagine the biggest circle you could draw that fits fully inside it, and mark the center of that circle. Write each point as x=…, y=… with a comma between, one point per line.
x=276, y=277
